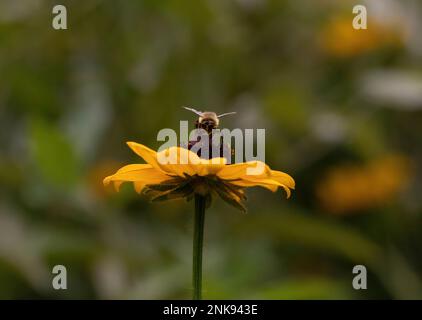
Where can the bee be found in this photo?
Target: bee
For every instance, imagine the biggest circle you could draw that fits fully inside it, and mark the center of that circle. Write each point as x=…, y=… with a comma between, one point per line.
x=208, y=121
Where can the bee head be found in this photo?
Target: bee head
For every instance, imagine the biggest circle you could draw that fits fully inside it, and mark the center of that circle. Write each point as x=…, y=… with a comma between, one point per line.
x=207, y=120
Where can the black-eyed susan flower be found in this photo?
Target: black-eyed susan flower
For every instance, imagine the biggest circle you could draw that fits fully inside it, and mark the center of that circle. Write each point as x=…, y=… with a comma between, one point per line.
x=186, y=174
x=178, y=173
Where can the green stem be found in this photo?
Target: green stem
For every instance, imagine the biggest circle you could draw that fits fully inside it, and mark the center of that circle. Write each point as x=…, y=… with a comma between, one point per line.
x=198, y=240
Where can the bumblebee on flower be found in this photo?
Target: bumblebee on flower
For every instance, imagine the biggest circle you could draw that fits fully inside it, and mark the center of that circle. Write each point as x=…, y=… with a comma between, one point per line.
x=180, y=173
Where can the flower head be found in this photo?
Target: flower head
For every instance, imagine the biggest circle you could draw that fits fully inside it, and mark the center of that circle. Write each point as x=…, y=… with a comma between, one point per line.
x=176, y=173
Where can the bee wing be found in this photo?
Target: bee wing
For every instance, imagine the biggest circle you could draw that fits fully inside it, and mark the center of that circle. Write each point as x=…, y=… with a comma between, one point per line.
x=225, y=114
x=199, y=113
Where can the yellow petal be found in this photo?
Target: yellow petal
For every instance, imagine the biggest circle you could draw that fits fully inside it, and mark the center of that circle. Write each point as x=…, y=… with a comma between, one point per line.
x=149, y=155
x=238, y=175
x=128, y=168
x=233, y=171
x=210, y=167
x=178, y=161
x=139, y=186
x=240, y=170
x=117, y=185
x=140, y=174
x=283, y=178
x=265, y=183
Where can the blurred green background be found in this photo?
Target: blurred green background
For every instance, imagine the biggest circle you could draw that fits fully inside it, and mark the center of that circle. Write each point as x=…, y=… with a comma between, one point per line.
x=342, y=112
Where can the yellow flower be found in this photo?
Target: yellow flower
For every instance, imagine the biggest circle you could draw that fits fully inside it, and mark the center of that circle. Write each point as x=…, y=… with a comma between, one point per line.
x=340, y=39
x=186, y=174
x=353, y=188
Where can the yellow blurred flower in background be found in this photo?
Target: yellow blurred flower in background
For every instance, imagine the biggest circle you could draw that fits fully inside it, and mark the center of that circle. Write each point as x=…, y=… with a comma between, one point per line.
x=339, y=39
x=349, y=188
